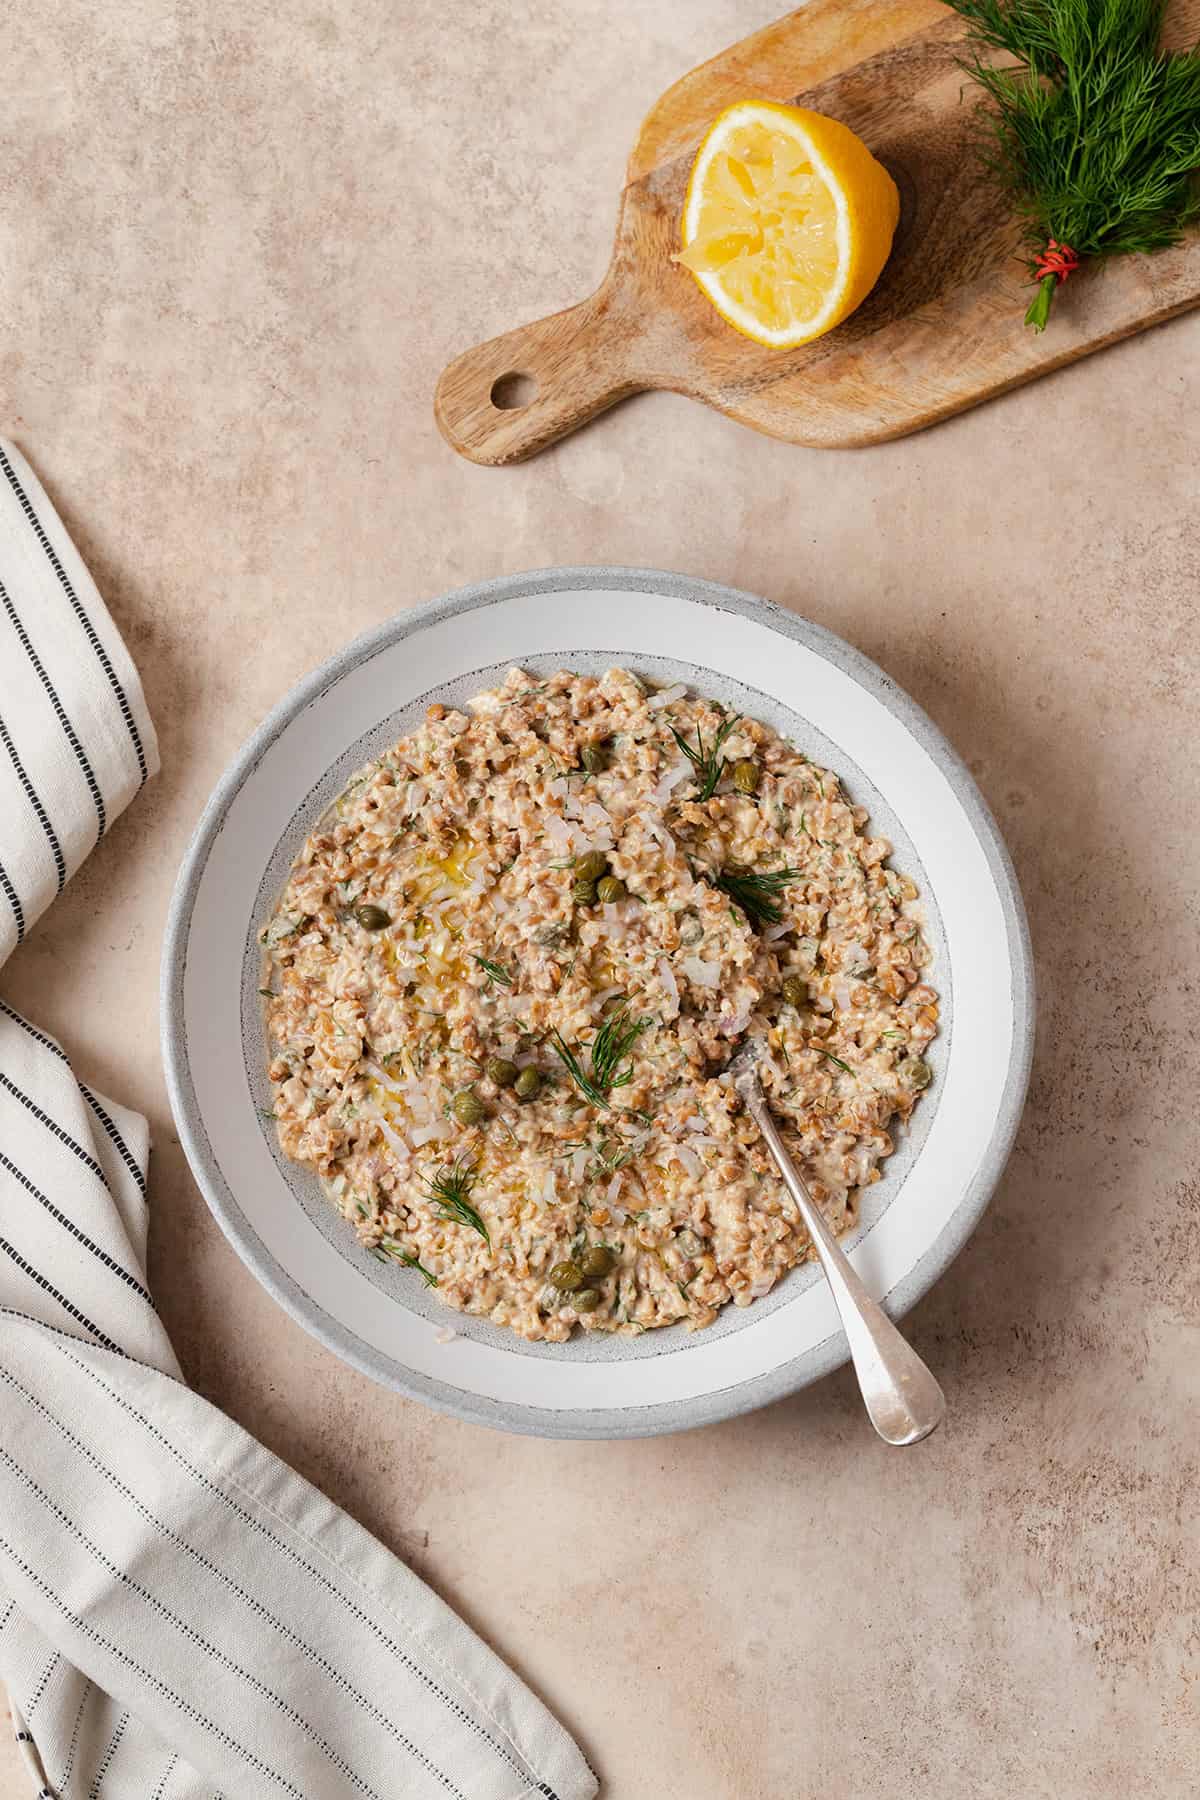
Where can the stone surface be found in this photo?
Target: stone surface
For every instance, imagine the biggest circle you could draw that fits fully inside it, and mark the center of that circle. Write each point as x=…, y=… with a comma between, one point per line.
x=237, y=244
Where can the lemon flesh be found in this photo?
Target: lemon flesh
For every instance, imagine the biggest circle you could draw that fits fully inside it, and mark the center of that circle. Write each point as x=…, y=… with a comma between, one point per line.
x=788, y=221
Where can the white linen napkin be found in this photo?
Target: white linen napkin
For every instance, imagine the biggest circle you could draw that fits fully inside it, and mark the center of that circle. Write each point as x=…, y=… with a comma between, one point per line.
x=181, y=1615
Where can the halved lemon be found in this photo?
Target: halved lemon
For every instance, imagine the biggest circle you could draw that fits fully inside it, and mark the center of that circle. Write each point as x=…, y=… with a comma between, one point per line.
x=788, y=221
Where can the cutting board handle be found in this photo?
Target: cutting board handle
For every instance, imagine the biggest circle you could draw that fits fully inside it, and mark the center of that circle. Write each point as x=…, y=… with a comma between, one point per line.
x=509, y=398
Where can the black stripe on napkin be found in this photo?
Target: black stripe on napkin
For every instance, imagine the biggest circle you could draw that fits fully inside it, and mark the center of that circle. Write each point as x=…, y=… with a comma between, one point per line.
x=65, y=1777
x=60, y=865
x=80, y=613
x=172, y=1765
x=38, y=1036
x=89, y=774
x=43, y=1683
x=114, y=1741
x=64, y=1137
x=10, y=893
x=70, y=1225
x=49, y=1288
x=118, y=1142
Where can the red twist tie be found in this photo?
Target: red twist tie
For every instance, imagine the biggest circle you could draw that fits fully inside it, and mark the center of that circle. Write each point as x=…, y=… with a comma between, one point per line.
x=1058, y=260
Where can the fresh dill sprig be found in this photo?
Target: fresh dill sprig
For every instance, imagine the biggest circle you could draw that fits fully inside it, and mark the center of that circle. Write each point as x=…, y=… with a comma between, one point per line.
x=707, y=760
x=1096, y=134
x=577, y=1072
x=449, y=1188
x=611, y=1159
x=834, y=1059
x=611, y=1048
x=399, y=1254
x=496, y=973
x=754, y=890
x=612, y=1044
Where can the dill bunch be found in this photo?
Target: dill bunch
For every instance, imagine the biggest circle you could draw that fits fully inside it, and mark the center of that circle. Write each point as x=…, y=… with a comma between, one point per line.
x=1095, y=133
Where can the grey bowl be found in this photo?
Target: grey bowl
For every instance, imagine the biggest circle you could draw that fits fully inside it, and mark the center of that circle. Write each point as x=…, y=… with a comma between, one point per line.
x=323, y=706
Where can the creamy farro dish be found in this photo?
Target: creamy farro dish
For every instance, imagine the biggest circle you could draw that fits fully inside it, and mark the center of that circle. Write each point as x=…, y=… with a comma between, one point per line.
x=509, y=969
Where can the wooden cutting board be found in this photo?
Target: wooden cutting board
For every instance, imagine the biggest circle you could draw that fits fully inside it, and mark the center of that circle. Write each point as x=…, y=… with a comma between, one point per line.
x=941, y=331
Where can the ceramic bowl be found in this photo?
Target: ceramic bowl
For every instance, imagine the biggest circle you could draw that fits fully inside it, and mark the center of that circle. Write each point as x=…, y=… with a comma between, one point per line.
x=841, y=711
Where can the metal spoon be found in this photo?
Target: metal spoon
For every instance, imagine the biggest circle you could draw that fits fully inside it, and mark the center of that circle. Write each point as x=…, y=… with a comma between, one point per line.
x=904, y=1403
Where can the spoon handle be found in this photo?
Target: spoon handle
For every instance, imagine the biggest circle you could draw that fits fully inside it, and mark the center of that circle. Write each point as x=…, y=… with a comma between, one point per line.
x=903, y=1401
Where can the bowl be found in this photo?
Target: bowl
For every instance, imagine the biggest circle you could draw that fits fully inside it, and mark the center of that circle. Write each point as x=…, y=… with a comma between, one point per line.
x=838, y=708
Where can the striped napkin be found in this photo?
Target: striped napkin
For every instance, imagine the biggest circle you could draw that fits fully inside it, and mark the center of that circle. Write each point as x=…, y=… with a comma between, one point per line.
x=181, y=1616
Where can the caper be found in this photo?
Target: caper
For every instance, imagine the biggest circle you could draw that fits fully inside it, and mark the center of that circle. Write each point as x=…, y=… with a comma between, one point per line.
x=528, y=1084
x=746, y=776
x=584, y=893
x=919, y=1073
x=372, y=918
x=586, y=1300
x=592, y=866
x=609, y=889
x=501, y=1071
x=598, y=1262
x=548, y=937
x=794, y=990
x=690, y=929
x=593, y=758
x=467, y=1107
x=567, y=1275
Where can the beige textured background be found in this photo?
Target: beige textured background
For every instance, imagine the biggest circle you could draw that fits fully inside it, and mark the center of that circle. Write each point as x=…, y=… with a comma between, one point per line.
x=237, y=243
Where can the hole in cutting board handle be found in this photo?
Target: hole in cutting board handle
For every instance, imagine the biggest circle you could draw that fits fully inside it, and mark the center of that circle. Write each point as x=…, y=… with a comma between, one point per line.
x=511, y=392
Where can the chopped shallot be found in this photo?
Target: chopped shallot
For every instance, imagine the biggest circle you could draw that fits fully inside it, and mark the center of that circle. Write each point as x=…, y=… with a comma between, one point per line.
x=669, y=782
x=395, y=1140
x=733, y=1027
x=658, y=832
x=700, y=973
